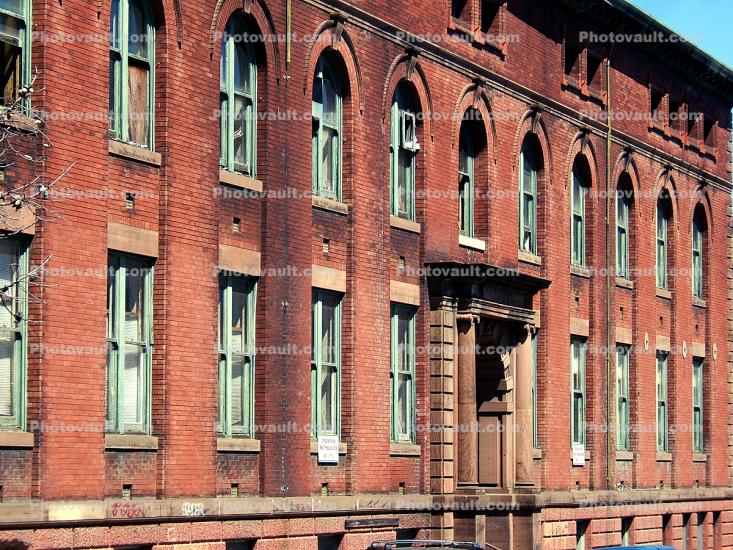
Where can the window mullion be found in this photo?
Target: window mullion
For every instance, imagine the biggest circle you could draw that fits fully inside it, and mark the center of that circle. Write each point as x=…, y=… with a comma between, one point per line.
x=124, y=71
x=119, y=368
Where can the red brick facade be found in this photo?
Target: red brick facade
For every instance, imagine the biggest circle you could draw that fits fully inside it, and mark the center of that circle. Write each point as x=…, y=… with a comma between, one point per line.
x=66, y=489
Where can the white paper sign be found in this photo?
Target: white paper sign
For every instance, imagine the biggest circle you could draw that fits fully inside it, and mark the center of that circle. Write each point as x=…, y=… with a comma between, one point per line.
x=328, y=449
x=578, y=454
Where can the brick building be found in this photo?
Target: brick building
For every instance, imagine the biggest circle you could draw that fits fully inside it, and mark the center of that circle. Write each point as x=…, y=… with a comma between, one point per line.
x=455, y=297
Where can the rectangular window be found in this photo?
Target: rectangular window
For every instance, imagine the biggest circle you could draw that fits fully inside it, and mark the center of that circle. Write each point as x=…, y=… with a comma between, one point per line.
x=626, y=529
x=403, y=373
x=697, y=410
x=581, y=534
x=535, y=436
x=326, y=110
x=129, y=343
x=461, y=9
x=662, y=407
x=13, y=352
x=466, y=160
x=623, y=416
x=622, y=234
x=577, y=233
x=685, y=531
x=701, y=531
x=577, y=383
x=697, y=267
x=326, y=363
x=661, y=246
x=237, y=300
x=403, y=153
x=528, y=202
x=14, y=47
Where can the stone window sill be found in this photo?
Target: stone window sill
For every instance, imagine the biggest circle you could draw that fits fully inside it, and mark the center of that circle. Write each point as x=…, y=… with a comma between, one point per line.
x=664, y=293
x=580, y=271
x=624, y=456
x=699, y=457
x=240, y=181
x=330, y=205
x=471, y=242
x=237, y=445
x=663, y=456
x=622, y=282
x=16, y=440
x=529, y=258
x=18, y=121
x=130, y=442
x=699, y=302
x=404, y=449
x=406, y=225
x=343, y=448
x=133, y=152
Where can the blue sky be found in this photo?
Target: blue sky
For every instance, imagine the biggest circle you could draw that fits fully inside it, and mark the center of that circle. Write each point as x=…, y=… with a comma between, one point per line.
x=707, y=23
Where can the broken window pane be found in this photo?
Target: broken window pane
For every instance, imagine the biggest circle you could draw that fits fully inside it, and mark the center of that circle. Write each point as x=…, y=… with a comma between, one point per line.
x=138, y=103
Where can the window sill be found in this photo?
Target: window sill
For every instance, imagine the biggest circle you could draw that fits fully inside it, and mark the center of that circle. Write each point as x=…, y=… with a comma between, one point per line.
x=133, y=152
x=622, y=282
x=529, y=258
x=580, y=271
x=240, y=181
x=664, y=293
x=699, y=302
x=237, y=445
x=330, y=205
x=16, y=440
x=404, y=449
x=471, y=242
x=17, y=121
x=130, y=442
x=406, y=225
x=536, y=454
x=663, y=456
x=699, y=457
x=343, y=448
x=624, y=456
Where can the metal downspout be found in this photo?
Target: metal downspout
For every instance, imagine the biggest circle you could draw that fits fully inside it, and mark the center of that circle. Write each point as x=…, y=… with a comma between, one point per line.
x=610, y=277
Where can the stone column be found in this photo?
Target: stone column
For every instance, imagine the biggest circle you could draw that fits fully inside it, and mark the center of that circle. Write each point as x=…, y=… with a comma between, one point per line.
x=467, y=434
x=523, y=440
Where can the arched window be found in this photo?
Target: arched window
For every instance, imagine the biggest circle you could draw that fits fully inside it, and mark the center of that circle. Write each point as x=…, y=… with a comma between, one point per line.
x=624, y=196
x=326, y=138
x=699, y=228
x=131, y=74
x=403, y=152
x=238, y=92
x=578, y=192
x=466, y=180
x=529, y=166
x=664, y=214
x=15, y=47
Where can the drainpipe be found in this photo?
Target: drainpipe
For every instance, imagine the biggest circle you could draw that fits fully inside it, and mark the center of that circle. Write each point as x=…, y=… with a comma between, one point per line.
x=610, y=277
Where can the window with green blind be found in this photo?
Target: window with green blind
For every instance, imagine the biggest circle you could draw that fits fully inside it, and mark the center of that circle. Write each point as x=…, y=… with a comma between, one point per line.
x=13, y=333
x=623, y=408
x=326, y=140
x=132, y=72
x=237, y=302
x=662, y=402
x=623, y=207
x=577, y=229
x=403, y=153
x=15, y=48
x=698, y=443
x=662, y=249
x=129, y=344
x=698, y=230
x=529, y=166
x=402, y=373
x=577, y=390
x=466, y=181
x=238, y=97
x=326, y=363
